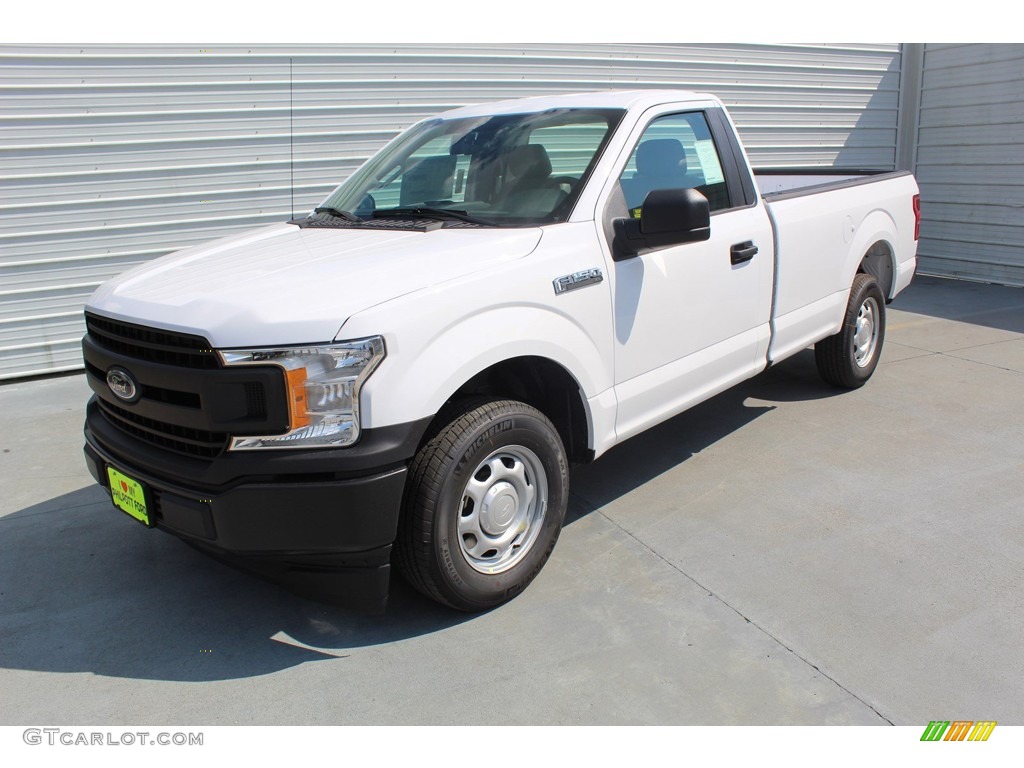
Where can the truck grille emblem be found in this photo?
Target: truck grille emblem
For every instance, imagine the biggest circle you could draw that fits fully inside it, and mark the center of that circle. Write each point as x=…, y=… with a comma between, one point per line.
x=122, y=385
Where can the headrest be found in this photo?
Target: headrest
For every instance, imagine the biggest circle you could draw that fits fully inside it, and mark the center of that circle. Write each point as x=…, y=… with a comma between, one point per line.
x=660, y=157
x=529, y=161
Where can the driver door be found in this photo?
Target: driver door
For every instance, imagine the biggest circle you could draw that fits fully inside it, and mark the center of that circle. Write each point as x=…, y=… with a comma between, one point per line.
x=689, y=322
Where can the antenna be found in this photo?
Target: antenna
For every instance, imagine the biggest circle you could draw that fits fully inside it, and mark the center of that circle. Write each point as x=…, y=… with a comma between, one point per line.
x=291, y=136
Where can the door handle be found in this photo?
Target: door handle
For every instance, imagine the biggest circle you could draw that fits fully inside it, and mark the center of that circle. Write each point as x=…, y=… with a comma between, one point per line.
x=742, y=252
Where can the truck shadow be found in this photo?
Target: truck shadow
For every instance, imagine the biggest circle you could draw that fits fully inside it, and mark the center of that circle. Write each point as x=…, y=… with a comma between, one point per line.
x=659, y=449
x=83, y=589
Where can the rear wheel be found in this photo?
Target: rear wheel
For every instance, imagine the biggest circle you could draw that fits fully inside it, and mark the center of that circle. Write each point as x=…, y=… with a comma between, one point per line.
x=848, y=358
x=483, y=506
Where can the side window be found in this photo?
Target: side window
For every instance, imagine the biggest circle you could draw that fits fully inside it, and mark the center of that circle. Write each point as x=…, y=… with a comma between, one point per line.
x=675, y=152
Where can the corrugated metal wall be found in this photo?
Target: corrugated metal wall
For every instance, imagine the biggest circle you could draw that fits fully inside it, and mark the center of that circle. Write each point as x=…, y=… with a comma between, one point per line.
x=113, y=155
x=970, y=162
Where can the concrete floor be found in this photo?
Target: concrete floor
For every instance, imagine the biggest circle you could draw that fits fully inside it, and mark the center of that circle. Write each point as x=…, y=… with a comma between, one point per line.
x=782, y=554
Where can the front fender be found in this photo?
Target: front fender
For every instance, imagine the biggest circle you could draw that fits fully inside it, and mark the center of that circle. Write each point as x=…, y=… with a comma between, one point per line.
x=416, y=380
x=439, y=338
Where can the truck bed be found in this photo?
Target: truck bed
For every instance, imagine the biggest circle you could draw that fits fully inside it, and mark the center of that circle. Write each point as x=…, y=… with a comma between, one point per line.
x=782, y=183
x=825, y=221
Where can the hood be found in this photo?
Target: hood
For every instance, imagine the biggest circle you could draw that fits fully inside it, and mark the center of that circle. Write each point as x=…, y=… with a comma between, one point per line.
x=282, y=285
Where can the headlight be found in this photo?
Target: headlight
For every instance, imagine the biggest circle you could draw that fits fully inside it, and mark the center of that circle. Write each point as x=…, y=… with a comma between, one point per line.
x=322, y=383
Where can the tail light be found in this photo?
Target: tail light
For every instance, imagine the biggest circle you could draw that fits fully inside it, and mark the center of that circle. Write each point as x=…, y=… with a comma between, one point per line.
x=917, y=216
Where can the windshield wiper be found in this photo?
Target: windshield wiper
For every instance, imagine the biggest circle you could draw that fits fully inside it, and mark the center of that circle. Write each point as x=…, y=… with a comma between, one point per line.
x=432, y=213
x=337, y=212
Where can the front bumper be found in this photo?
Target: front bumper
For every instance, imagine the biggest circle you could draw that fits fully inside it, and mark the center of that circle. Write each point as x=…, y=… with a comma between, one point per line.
x=321, y=522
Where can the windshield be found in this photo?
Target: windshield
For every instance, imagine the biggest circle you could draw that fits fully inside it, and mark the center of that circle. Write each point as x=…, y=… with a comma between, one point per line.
x=504, y=170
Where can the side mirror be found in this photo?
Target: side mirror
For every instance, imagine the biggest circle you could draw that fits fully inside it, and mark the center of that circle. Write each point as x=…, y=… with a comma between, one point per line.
x=667, y=217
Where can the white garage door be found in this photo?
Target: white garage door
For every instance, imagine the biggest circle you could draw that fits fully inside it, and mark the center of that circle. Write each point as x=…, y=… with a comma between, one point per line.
x=113, y=155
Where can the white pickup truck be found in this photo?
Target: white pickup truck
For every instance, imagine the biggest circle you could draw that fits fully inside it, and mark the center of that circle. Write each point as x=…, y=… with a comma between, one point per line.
x=405, y=375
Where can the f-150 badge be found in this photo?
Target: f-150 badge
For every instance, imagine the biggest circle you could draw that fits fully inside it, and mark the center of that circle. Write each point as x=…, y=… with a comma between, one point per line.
x=580, y=279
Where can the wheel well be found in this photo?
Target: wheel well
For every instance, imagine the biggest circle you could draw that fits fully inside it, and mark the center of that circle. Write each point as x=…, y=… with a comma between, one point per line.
x=877, y=262
x=539, y=382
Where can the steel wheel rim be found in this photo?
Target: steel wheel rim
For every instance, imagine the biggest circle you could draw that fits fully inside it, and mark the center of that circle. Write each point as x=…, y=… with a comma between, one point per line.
x=502, y=509
x=865, y=336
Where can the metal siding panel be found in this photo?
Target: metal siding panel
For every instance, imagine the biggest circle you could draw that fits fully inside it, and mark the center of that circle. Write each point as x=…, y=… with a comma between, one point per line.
x=111, y=155
x=970, y=162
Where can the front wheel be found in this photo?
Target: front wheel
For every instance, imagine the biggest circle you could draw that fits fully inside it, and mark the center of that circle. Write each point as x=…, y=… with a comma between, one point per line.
x=848, y=358
x=483, y=506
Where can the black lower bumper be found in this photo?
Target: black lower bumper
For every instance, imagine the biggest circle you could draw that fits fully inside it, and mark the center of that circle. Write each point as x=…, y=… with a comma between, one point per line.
x=324, y=535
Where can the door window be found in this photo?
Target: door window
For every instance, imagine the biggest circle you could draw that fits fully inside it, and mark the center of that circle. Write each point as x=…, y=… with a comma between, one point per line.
x=675, y=152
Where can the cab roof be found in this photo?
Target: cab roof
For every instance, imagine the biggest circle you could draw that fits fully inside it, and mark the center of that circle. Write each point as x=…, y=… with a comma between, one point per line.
x=595, y=100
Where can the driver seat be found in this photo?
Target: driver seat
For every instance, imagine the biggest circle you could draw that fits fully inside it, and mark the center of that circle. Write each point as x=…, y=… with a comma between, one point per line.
x=532, y=191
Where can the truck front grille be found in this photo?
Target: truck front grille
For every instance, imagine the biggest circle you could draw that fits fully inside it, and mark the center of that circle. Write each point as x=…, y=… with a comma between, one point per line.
x=187, y=402
x=192, y=442
x=151, y=345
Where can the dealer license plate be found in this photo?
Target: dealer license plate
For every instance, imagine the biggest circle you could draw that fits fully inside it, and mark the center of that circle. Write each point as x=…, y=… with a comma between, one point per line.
x=128, y=495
